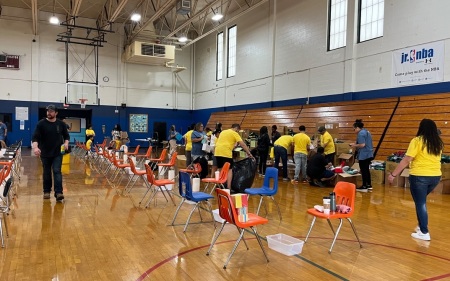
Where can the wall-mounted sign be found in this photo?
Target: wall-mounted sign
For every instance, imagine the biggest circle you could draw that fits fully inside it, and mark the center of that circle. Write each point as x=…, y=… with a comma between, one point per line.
x=10, y=61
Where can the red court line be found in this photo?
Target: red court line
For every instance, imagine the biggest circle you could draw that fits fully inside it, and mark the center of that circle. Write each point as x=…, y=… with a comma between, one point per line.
x=150, y=270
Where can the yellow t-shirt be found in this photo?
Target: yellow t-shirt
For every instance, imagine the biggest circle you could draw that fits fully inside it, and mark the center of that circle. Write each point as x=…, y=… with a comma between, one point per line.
x=301, y=143
x=118, y=144
x=225, y=143
x=187, y=136
x=89, y=144
x=330, y=147
x=285, y=141
x=424, y=164
x=90, y=132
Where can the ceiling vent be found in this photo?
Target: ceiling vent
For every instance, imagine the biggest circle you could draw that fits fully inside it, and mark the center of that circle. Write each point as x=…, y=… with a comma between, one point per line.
x=148, y=53
x=183, y=7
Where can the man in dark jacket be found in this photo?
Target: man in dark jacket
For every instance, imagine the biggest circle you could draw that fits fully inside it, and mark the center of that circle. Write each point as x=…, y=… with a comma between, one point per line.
x=50, y=141
x=317, y=168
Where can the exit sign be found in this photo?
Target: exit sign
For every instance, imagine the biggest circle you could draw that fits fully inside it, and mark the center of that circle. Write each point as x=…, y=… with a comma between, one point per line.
x=10, y=62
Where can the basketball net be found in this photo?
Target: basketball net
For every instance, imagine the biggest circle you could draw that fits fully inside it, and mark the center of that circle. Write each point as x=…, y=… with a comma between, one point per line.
x=83, y=103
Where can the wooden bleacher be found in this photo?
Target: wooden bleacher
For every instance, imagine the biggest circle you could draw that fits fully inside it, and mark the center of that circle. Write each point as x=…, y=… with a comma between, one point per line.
x=406, y=113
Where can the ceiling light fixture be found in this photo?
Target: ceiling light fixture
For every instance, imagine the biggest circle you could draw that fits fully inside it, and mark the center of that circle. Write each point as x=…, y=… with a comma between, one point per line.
x=217, y=17
x=135, y=17
x=182, y=39
x=54, y=20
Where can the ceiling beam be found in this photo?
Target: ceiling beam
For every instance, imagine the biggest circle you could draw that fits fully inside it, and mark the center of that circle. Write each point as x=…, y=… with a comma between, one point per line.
x=189, y=21
x=225, y=23
x=35, y=16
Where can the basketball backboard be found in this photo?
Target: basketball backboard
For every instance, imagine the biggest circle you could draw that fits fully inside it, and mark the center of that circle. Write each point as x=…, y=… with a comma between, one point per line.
x=82, y=93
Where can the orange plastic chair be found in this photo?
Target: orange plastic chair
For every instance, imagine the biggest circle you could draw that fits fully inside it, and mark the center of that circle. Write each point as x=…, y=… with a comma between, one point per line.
x=142, y=157
x=136, y=174
x=160, y=183
x=166, y=166
x=155, y=161
x=221, y=181
x=345, y=195
x=228, y=212
x=193, y=170
x=136, y=151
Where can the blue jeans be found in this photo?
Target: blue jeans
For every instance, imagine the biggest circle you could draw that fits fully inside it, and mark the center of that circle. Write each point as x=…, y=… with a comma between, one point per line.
x=420, y=187
x=281, y=152
x=49, y=164
x=300, y=164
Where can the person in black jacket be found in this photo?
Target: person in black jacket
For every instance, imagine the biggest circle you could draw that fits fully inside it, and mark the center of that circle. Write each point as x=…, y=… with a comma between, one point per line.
x=317, y=168
x=263, y=149
x=50, y=140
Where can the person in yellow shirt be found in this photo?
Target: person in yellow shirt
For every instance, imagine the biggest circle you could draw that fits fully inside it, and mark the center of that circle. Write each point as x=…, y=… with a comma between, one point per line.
x=188, y=142
x=327, y=142
x=424, y=159
x=89, y=132
x=302, y=142
x=280, y=150
x=223, y=150
x=89, y=145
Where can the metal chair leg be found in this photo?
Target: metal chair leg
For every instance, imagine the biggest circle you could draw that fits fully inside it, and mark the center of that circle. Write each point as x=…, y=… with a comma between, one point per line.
x=178, y=209
x=259, y=242
x=214, y=239
x=310, y=228
x=335, y=236
x=354, y=231
x=278, y=206
x=234, y=248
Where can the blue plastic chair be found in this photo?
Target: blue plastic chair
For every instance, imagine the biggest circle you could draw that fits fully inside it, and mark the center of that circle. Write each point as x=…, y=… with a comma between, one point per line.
x=267, y=190
x=185, y=188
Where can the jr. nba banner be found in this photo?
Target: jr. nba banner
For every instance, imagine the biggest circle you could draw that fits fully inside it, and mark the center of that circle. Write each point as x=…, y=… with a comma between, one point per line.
x=421, y=64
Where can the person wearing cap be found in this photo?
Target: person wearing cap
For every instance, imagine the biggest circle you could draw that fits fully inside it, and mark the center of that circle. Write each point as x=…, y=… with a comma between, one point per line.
x=224, y=149
x=48, y=138
x=327, y=142
x=281, y=147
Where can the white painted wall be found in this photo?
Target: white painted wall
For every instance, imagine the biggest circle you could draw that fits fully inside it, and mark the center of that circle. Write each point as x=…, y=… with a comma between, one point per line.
x=42, y=75
x=284, y=44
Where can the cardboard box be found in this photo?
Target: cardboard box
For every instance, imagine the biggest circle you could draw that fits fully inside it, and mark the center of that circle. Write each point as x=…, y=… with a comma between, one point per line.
x=123, y=135
x=377, y=176
x=445, y=168
x=342, y=148
x=349, y=178
x=347, y=157
x=390, y=166
x=181, y=161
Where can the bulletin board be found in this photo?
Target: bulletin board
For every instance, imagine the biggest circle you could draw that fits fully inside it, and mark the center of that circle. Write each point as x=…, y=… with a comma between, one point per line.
x=138, y=123
x=73, y=124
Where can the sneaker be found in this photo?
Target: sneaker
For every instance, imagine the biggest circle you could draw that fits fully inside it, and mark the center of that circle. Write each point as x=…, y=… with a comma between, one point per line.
x=369, y=187
x=46, y=195
x=417, y=229
x=304, y=181
x=319, y=183
x=362, y=189
x=421, y=236
x=59, y=197
x=286, y=179
x=294, y=181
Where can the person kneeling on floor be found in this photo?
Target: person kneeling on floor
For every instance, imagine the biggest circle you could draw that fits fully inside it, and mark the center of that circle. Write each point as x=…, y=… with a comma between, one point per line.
x=317, y=169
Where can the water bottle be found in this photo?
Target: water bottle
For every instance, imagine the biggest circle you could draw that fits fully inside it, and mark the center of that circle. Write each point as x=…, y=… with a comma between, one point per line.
x=332, y=202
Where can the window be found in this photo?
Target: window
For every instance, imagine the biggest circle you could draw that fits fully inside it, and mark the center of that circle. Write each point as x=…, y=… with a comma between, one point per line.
x=219, y=58
x=232, y=34
x=371, y=19
x=337, y=24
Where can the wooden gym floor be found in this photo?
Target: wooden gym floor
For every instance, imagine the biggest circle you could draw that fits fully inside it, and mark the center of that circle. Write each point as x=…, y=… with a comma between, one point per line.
x=97, y=234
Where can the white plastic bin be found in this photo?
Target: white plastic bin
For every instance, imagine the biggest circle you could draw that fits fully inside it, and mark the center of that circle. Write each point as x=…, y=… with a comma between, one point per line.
x=285, y=244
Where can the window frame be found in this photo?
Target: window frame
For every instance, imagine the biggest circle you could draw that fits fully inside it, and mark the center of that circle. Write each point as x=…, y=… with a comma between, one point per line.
x=359, y=22
x=219, y=67
x=329, y=28
x=228, y=52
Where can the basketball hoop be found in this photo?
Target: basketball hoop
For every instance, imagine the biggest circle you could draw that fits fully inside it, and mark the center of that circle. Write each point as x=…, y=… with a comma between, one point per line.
x=83, y=102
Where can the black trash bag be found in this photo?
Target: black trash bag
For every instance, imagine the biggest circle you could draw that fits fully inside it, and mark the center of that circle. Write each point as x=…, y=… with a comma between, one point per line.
x=244, y=172
x=204, y=163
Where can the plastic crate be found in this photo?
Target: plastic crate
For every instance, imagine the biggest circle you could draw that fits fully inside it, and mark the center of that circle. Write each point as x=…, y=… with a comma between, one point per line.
x=285, y=244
